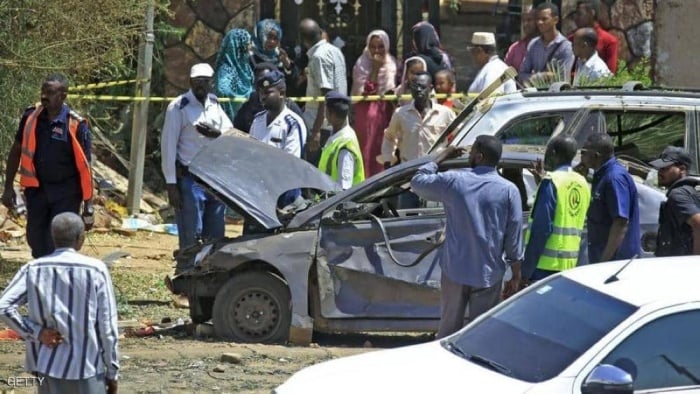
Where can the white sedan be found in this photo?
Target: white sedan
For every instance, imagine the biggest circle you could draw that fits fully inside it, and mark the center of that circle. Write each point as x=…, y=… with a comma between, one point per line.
x=614, y=327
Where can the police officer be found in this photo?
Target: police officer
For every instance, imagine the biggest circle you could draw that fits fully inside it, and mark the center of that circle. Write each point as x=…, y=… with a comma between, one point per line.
x=52, y=152
x=192, y=120
x=556, y=222
x=341, y=157
x=679, y=216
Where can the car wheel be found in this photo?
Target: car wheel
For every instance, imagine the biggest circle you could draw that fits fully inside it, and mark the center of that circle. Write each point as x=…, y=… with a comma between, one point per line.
x=253, y=306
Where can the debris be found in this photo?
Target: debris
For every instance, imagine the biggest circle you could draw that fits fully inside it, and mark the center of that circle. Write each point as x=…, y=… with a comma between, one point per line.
x=283, y=360
x=126, y=232
x=9, y=334
x=219, y=368
x=231, y=358
x=315, y=345
x=367, y=344
x=125, y=357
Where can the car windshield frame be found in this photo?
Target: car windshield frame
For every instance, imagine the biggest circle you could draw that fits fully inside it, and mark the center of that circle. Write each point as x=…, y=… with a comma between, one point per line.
x=536, y=336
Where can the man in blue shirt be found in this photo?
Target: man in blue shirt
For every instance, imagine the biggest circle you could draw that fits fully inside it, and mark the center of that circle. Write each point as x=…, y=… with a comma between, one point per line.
x=613, y=217
x=559, y=213
x=483, y=231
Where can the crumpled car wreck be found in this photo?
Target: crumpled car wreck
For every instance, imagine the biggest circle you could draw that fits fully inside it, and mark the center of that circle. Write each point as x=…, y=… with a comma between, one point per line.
x=343, y=262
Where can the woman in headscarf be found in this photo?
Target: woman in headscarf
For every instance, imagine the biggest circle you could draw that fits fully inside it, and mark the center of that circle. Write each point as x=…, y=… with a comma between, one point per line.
x=426, y=44
x=233, y=77
x=267, y=38
x=374, y=73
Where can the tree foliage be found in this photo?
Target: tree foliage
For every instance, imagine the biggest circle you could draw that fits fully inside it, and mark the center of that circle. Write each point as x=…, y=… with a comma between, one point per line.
x=88, y=41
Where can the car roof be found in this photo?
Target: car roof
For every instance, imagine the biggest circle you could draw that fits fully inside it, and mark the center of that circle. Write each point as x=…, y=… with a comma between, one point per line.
x=644, y=281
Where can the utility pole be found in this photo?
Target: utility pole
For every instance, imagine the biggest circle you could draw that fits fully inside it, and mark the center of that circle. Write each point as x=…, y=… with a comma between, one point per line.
x=139, y=130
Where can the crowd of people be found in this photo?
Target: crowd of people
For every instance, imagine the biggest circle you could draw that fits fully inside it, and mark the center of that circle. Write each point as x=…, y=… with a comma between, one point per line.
x=68, y=293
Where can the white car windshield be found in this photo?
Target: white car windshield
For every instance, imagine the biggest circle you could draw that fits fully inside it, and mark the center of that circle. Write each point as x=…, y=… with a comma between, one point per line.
x=535, y=337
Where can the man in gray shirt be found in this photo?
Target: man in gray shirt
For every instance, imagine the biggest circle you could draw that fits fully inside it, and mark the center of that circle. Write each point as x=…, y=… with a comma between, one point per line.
x=483, y=232
x=549, y=57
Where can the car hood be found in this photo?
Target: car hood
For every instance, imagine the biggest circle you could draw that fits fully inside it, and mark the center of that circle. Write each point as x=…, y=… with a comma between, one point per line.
x=250, y=175
x=425, y=368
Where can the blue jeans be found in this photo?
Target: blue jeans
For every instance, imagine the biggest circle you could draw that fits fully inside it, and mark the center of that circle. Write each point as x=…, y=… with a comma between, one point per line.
x=201, y=214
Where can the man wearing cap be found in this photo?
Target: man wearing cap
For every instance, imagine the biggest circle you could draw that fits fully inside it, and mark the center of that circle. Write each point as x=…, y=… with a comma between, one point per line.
x=277, y=125
x=341, y=157
x=483, y=49
x=192, y=120
x=679, y=216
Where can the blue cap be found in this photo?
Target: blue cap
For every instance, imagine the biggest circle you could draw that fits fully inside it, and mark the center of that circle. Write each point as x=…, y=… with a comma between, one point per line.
x=334, y=96
x=271, y=78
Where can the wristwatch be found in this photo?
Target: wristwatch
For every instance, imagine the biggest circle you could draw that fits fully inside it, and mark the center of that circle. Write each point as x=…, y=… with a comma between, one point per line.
x=89, y=210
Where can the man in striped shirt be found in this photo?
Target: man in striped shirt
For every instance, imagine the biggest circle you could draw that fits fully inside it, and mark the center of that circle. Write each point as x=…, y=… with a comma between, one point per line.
x=71, y=329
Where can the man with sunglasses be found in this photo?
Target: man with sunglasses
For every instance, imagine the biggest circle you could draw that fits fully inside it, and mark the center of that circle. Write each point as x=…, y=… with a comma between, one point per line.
x=613, y=216
x=679, y=216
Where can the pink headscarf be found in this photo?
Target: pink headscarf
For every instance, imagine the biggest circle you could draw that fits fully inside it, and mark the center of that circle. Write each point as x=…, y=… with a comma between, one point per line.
x=387, y=73
x=403, y=86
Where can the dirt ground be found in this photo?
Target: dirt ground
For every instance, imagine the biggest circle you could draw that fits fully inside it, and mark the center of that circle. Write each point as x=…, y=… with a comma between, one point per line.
x=178, y=360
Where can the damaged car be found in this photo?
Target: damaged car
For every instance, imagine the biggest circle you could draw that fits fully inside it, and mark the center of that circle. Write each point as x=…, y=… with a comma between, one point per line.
x=340, y=261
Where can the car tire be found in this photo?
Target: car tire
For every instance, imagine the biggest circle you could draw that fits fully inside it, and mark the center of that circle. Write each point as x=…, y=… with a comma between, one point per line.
x=253, y=306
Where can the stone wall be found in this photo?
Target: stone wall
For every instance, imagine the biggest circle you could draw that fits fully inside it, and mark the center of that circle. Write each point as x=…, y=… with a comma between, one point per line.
x=676, y=45
x=204, y=24
x=631, y=21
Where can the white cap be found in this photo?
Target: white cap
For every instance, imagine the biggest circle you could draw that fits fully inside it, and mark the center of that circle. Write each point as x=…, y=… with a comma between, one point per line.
x=483, y=38
x=201, y=70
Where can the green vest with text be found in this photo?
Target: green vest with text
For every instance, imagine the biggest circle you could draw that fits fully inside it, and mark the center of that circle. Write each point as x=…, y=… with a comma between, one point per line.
x=328, y=162
x=573, y=198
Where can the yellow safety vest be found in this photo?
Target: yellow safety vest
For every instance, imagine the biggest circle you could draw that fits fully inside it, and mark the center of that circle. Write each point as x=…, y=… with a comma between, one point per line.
x=573, y=198
x=328, y=162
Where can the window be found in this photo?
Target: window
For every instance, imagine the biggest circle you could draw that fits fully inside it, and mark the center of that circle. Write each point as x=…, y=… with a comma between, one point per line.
x=664, y=353
x=539, y=334
x=535, y=129
x=644, y=135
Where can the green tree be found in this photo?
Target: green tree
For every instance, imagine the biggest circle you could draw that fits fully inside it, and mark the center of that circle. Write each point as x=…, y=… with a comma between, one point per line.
x=88, y=41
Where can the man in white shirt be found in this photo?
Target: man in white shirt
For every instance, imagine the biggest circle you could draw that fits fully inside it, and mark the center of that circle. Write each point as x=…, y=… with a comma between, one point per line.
x=192, y=120
x=590, y=68
x=483, y=49
x=414, y=128
x=341, y=157
x=278, y=125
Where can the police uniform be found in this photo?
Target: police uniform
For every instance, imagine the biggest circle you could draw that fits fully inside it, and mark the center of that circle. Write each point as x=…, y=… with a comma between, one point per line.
x=287, y=130
x=54, y=170
x=201, y=215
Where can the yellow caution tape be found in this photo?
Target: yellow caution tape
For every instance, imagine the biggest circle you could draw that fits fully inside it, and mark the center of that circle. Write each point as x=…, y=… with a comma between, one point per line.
x=100, y=85
x=355, y=99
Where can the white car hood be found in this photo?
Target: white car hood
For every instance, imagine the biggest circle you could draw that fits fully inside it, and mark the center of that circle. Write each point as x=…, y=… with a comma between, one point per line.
x=425, y=368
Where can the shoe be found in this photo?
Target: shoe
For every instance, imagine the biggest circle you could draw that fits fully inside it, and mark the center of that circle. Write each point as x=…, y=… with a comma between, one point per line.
x=181, y=301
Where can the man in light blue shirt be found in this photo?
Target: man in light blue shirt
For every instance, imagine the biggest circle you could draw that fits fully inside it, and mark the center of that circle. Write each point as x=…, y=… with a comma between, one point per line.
x=483, y=232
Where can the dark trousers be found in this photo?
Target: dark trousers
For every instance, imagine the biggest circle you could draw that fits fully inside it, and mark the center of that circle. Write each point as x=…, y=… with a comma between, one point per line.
x=454, y=299
x=40, y=212
x=93, y=385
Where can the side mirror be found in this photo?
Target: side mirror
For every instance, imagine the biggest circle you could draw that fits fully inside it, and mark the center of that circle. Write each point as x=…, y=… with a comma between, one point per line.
x=606, y=378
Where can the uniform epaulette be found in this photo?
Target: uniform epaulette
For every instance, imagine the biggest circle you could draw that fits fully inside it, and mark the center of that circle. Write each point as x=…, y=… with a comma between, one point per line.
x=76, y=116
x=260, y=113
x=183, y=102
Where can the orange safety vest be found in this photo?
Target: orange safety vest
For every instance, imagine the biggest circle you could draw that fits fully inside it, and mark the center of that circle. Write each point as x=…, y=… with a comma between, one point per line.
x=27, y=172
